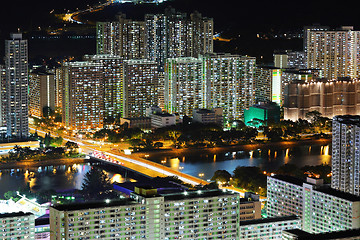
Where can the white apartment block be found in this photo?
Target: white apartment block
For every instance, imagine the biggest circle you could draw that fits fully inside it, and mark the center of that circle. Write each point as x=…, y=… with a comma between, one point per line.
x=83, y=95
x=297, y=234
x=186, y=215
x=184, y=85
x=327, y=210
x=284, y=196
x=337, y=52
x=230, y=83
x=290, y=60
x=268, y=228
x=41, y=93
x=345, y=154
x=322, y=208
x=112, y=70
x=15, y=101
x=174, y=34
x=140, y=85
x=163, y=119
x=124, y=37
x=17, y=225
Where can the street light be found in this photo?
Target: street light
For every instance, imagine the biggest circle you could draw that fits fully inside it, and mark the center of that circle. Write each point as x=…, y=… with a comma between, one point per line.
x=163, y=163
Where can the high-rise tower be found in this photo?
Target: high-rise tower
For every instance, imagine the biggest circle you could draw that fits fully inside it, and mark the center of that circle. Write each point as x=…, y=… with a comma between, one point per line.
x=336, y=52
x=15, y=101
x=345, y=154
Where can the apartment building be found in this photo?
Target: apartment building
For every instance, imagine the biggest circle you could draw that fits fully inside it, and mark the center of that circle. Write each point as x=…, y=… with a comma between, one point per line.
x=208, y=214
x=17, y=225
x=322, y=208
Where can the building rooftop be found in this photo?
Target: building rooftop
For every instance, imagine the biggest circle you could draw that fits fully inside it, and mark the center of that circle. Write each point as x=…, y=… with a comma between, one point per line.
x=164, y=114
x=94, y=204
x=203, y=110
x=14, y=214
x=290, y=179
x=302, y=235
x=269, y=220
x=195, y=194
x=348, y=119
x=42, y=221
x=339, y=194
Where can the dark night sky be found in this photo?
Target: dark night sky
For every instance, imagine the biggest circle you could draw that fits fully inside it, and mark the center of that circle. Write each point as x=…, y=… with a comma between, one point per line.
x=243, y=14
x=230, y=16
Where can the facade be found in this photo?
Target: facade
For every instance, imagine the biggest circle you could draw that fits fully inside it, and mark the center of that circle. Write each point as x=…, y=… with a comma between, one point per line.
x=162, y=119
x=250, y=207
x=345, y=156
x=230, y=82
x=184, y=85
x=137, y=122
x=124, y=37
x=267, y=84
x=330, y=98
x=185, y=215
x=174, y=35
x=284, y=196
x=83, y=95
x=327, y=210
x=108, y=38
x=41, y=93
x=290, y=60
x=336, y=52
x=297, y=234
x=262, y=114
x=297, y=60
x=58, y=75
x=112, y=74
x=17, y=225
x=15, y=101
x=323, y=209
x=2, y=97
x=42, y=229
x=268, y=228
x=207, y=116
x=140, y=87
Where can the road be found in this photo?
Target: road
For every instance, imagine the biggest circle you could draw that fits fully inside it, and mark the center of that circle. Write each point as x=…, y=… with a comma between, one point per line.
x=141, y=165
x=75, y=16
x=137, y=164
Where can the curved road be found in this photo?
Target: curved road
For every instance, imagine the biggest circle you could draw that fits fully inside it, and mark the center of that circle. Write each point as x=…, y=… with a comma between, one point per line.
x=141, y=165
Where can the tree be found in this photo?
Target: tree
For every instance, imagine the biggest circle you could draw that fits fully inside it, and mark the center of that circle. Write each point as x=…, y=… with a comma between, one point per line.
x=313, y=116
x=96, y=185
x=47, y=111
x=290, y=169
x=57, y=141
x=71, y=146
x=158, y=145
x=222, y=176
x=47, y=139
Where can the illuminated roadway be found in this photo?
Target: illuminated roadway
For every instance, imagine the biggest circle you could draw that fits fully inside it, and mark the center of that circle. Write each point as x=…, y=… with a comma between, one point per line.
x=137, y=164
x=71, y=17
x=141, y=165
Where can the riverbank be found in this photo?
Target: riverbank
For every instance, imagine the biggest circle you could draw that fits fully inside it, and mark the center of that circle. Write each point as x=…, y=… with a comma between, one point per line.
x=242, y=147
x=35, y=163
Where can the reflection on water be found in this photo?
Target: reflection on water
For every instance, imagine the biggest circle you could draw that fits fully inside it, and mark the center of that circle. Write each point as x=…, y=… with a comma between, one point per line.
x=66, y=177
x=268, y=159
x=59, y=178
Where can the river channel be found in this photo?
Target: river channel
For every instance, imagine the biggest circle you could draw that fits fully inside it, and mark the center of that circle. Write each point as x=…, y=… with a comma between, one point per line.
x=196, y=163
